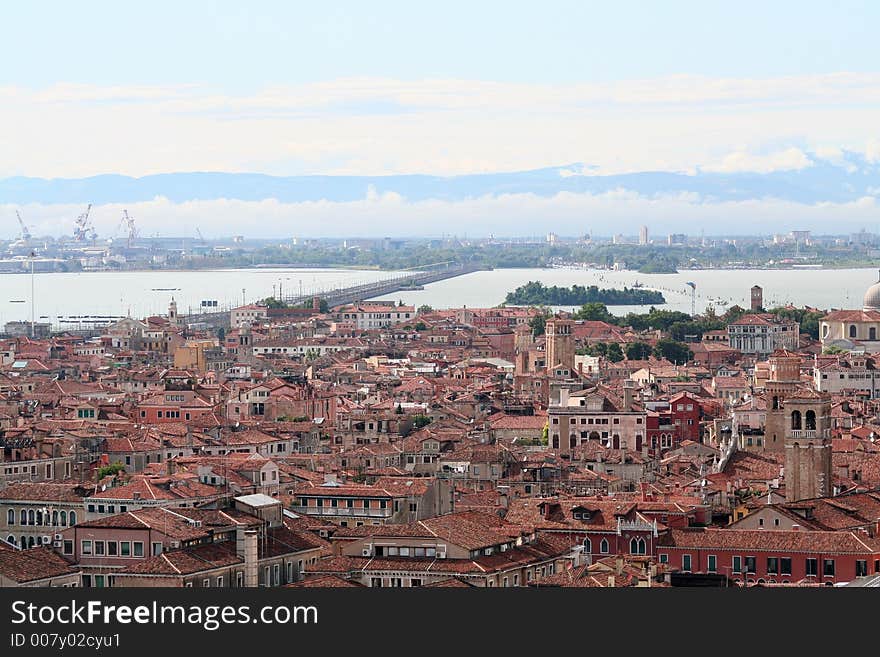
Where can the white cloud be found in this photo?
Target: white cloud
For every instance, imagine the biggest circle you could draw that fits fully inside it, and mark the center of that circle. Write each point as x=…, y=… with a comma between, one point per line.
x=384, y=126
x=739, y=161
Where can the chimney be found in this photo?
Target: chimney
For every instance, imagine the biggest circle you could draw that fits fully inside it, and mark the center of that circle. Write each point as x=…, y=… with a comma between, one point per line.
x=246, y=548
x=169, y=466
x=628, y=394
x=136, y=495
x=795, y=528
x=618, y=565
x=611, y=581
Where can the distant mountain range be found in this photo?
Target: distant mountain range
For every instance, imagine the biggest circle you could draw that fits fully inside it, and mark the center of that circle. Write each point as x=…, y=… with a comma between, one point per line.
x=846, y=179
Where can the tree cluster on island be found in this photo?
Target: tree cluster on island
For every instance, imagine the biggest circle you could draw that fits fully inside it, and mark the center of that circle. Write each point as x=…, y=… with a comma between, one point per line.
x=536, y=293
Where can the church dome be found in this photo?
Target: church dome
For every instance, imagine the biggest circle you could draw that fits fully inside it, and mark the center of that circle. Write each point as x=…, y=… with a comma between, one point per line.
x=872, y=298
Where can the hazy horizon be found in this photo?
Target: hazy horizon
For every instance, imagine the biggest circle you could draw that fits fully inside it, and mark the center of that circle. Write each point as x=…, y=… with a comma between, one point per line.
x=777, y=130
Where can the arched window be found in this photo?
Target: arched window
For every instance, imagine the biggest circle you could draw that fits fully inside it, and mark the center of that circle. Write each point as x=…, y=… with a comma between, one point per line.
x=616, y=441
x=31, y=517
x=633, y=546
x=603, y=546
x=10, y=539
x=54, y=518
x=10, y=517
x=32, y=541
x=588, y=546
x=810, y=420
x=23, y=517
x=39, y=518
x=64, y=518
x=852, y=330
x=795, y=420
x=72, y=518
x=572, y=441
x=555, y=444
x=824, y=330
x=775, y=402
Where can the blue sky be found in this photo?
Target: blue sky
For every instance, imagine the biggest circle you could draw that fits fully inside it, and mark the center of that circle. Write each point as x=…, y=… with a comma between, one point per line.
x=241, y=46
x=392, y=87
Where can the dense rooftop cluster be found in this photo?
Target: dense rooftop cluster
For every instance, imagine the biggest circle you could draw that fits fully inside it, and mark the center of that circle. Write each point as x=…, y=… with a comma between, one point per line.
x=383, y=445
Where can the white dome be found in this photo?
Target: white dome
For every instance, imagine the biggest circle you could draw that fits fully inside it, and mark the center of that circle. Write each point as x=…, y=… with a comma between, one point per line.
x=872, y=298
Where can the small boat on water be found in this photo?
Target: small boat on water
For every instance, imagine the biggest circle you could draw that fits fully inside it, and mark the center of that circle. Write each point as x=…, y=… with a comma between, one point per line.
x=17, y=301
x=166, y=289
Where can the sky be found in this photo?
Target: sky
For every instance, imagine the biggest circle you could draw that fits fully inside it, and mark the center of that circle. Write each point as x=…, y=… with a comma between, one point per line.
x=382, y=87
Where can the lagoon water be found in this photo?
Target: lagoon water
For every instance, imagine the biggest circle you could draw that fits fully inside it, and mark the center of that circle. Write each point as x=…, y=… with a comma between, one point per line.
x=139, y=294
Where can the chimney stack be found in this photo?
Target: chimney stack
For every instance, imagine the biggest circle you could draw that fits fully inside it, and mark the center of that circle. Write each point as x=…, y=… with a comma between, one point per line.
x=628, y=394
x=246, y=548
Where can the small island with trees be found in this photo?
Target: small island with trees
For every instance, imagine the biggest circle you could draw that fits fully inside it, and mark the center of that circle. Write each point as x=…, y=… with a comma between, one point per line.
x=535, y=293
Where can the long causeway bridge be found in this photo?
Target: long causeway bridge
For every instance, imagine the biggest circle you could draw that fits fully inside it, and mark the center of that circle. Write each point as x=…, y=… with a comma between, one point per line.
x=339, y=296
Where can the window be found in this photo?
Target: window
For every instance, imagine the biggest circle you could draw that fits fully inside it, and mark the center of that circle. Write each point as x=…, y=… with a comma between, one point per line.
x=664, y=558
x=206, y=582
x=138, y=548
x=603, y=546
x=125, y=548
x=112, y=547
x=772, y=566
x=812, y=567
x=220, y=581
x=712, y=563
x=686, y=562
x=10, y=517
x=785, y=566
x=239, y=579
x=157, y=548
x=861, y=568
x=68, y=547
x=751, y=565
x=86, y=547
x=828, y=567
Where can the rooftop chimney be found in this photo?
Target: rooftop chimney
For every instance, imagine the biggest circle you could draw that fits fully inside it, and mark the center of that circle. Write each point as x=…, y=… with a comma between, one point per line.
x=628, y=394
x=611, y=581
x=246, y=548
x=795, y=528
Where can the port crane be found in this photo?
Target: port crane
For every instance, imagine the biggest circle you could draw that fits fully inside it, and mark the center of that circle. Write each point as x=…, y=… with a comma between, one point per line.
x=128, y=223
x=83, y=230
x=25, y=233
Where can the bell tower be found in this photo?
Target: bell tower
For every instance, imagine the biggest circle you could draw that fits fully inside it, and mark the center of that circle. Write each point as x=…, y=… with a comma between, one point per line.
x=172, y=312
x=785, y=374
x=560, y=343
x=808, y=446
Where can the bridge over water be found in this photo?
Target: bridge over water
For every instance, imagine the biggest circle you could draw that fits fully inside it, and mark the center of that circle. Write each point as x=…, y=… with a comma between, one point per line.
x=344, y=295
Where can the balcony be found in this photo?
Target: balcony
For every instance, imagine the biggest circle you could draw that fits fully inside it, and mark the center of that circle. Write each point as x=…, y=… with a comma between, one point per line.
x=807, y=434
x=341, y=511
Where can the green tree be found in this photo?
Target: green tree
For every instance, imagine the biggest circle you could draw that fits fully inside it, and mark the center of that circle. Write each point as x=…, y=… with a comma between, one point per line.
x=677, y=352
x=420, y=421
x=638, y=351
x=425, y=308
x=538, y=325
x=593, y=312
x=421, y=326
x=614, y=353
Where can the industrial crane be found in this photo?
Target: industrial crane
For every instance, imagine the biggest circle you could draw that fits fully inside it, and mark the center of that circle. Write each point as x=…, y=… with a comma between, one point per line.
x=199, y=233
x=128, y=223
x=25, y=233
x=82, y=229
